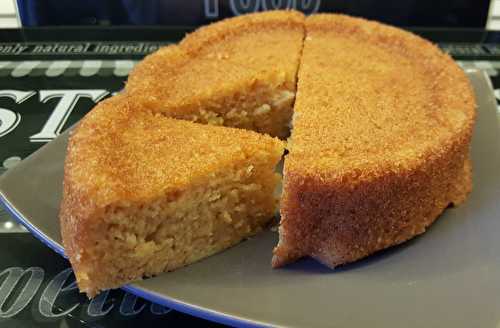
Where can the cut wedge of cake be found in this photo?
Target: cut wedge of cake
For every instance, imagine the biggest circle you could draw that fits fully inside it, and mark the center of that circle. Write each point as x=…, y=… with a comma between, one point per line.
x=240, y=72
x=380, y=142
x=382, y=125
x=144, y=194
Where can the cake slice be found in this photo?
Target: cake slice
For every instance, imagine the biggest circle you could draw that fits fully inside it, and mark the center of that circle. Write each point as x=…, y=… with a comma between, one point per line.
x=380, y=143
x=240, y=72
x=144, y=194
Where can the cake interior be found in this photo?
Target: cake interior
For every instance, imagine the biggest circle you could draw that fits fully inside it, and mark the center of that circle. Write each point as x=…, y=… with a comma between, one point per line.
x=139, y=240
x=265, y=108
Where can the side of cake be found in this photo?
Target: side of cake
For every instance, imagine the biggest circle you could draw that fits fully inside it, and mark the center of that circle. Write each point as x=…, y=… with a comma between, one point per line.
x=240, y=72
x=145, y=194
x=380, y=141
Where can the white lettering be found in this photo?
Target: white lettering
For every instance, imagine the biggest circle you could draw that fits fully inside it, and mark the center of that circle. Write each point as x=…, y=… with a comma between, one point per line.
x=159, y=309
x=12, y=49
x=96, y=306
x=127, y=307
x=308, y=6
x=211, y=8
x=8, y=118
x=240, y=7
x=20, y=48
x=52, y=291
x=57, y=119
x=14, y=275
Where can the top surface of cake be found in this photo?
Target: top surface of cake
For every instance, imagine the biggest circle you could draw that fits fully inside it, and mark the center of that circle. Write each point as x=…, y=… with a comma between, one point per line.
x=239, y=66
x=374, y=99
x=218, y=57
x=119, y=154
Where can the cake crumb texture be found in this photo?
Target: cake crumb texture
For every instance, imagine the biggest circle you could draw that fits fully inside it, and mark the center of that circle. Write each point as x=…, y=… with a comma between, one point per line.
x=145, y=194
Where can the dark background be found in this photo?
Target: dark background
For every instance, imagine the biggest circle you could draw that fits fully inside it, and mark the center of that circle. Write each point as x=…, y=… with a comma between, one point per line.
x=429, y=13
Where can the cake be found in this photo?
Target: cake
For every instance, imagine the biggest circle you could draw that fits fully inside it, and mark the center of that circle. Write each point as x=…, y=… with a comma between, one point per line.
x=240, y=72
x=380, y=143
x=168, y=173
x=145, y=194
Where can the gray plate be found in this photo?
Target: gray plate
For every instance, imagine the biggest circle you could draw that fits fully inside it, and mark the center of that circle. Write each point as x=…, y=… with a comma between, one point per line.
x=448, y=277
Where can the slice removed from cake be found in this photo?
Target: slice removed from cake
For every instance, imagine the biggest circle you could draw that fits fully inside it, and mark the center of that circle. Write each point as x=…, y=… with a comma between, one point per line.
x=380, y=142
x=239, y=72
x=144, y=194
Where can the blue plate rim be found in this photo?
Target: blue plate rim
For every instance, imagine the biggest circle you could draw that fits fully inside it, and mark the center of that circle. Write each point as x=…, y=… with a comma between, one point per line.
x=187, y=308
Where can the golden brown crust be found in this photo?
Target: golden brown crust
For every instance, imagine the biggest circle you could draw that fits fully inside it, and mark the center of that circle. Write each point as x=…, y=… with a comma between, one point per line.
x=105, y=150
x=118, y=156
x=250, y=24
x=79, y=205
x=380, y=147
x=222, y=66
x=380, y=144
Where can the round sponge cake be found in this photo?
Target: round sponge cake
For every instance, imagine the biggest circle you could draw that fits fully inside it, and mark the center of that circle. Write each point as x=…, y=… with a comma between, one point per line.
x=382, y=125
